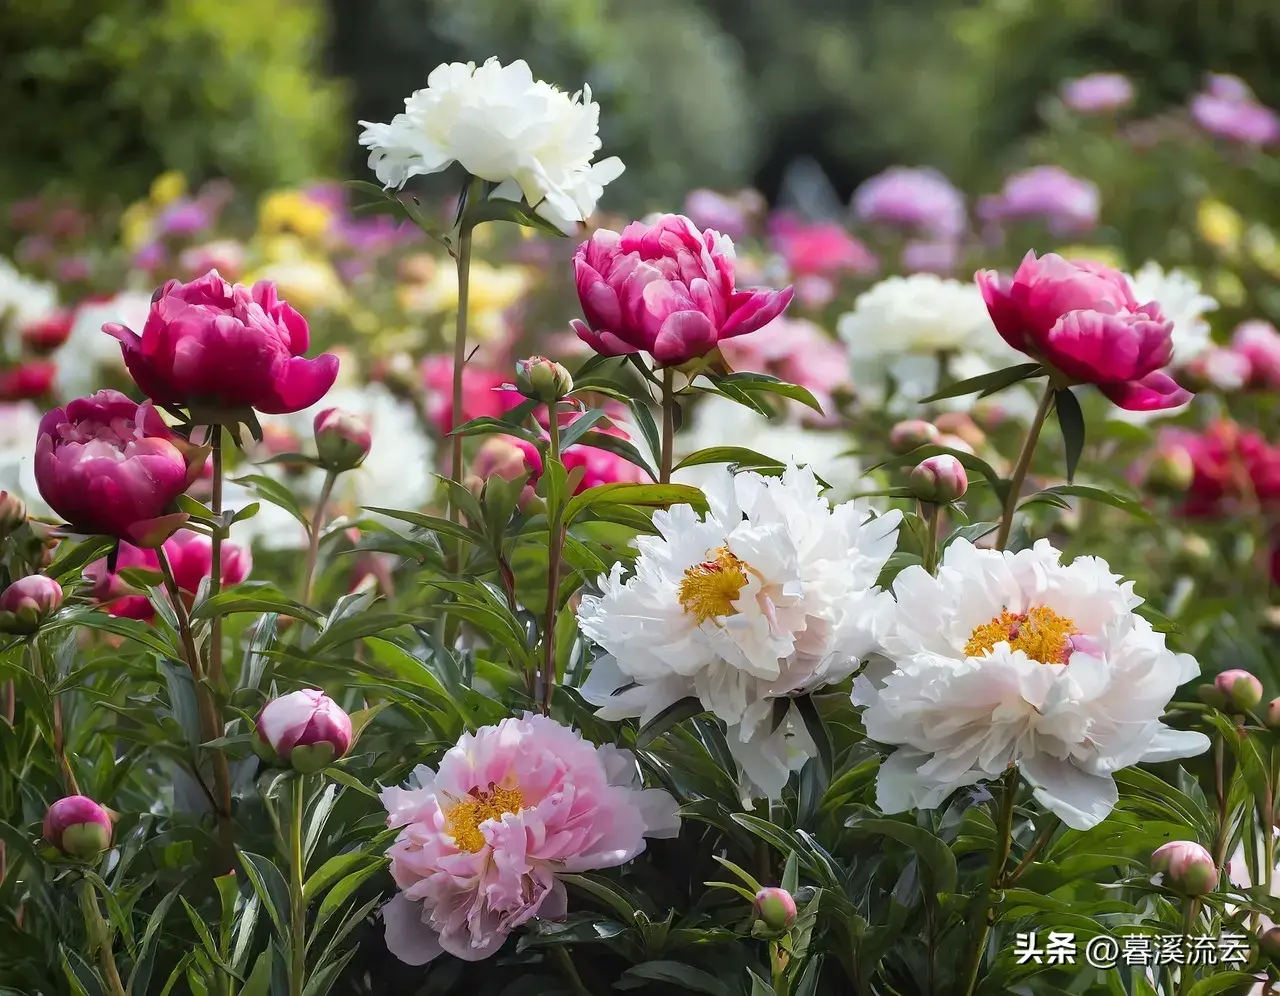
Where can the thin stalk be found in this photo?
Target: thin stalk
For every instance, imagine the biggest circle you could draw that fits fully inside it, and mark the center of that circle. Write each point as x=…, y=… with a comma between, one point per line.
x=1222, y=835
x=932, y=514
x=1188, y=924
x=1020, y=468
x=460, y=351
x=215, y=566
x=778, y=968
x=58, y=744
x=314, y=529
x=565, y=961
x=985, y=911
x=1036, y=847
x=553, y=575
x=298, y=903
x=668, y=424
x=10, y=701
x=100, y=939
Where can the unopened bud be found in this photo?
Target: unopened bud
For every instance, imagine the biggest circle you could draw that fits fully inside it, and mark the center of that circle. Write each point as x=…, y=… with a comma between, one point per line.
x=28, y=602
x=78, y=827
x=1170, y=472
x=1273, y=714
x=342, y=439
x=939, y=479
x=912, y=434
x=1186, y=866
x=776, y=908
x=960, y=424
x=305, y=730
x=542, y=379
x=13, y=512
x=1269, y=943
x=1241, y=690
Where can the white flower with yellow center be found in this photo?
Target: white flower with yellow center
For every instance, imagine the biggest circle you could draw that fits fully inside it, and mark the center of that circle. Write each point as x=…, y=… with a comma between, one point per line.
x=770, y=595
x=1016, y=658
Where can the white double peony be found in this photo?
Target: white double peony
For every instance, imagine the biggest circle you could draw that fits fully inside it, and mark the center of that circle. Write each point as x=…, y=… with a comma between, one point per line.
x=770, y=595
x=1016, y=658
x=504, y=126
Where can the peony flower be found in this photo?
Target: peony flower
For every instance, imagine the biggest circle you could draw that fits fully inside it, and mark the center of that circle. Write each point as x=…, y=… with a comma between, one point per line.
x=218, y=345
x=47, y=334
x=1049, y=194
x=1097, y=93
x=486, y=834
x=78, y=827
x=27, y=381
x=305, y=730
x=818, y=249
x=109, y=465
x=1083, y=320
x=481, y=393
x=1240, y=690
x=1228, y=109
x=914, y=199
x=19, y=424
x=938, y=479
x=28, y=602
x=1234, y=467
x=1186, y=867
x=768, y=596
x=1218, y=368
x=938, y=256
x=190, y=556
x=665, y=289
x=542, y=379
x=776, y=908
x=224, y=255
x=1258, y=343
x=503, y=126
x=1183, y=303
x=342, y=439
x=599, y=466
x=728, y=214
x=1015, y=658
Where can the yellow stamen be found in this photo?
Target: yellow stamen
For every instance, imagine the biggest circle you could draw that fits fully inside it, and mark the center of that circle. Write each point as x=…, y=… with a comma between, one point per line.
x=1040, y=633
x=709, y=589
x=462, y=820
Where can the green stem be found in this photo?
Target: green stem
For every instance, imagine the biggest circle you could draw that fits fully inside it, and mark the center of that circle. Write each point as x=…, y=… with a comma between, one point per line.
x=1037, y=845
x=668, y=424
x=553, y=574
x=460, y=350
x=221, y=773
x=932, y=514
x=215, y=566
x=565, y=962
x=778, y=968
x=298, y=903
x=1020, y=468
x=100, y=939
x=1188, y=924
x=58, y=744
x=985, y=914
x=314, y=528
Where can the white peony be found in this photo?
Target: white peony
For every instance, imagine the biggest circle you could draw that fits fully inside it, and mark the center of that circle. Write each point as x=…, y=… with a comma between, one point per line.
x=898, y=328
x=1015, y=658
x=88, y=350
x=19, y=426
x=504, y=126
x=770, y=595
x=23, y=300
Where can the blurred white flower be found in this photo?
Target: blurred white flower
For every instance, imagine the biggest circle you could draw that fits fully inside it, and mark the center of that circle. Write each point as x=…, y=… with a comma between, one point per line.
x=1182, y=302
x=504, y=126
x=88, y=350
x=1016, y=658
x=23, y=300
x=19, y=425
x=769, y=596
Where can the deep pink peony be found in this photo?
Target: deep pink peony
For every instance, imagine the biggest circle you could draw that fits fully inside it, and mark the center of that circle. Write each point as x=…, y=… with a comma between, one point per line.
x=1234, y=468
x=1258, y=343
x=484, y=837
x=821, y=248
x=109, y=465
x=665, y=289
x=28, y=380
x=226, y=347
x=482, y=392
x=1082, y=319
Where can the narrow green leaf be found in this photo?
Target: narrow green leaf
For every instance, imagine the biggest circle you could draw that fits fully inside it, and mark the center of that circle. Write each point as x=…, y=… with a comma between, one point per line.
x=987, y=383
x=674, y=973
x=744, y=458
x=647, y=495
x=271, y=490
x=672, y=715
x=269, y=884
x=931, y=850
x=758, y=383
x=1071, y=422
x=1126, y=504
x=818, y=732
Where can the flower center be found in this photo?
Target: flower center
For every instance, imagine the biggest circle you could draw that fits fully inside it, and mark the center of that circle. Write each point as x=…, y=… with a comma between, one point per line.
x=462, y=820
x=708, y=589
x=1040, y=633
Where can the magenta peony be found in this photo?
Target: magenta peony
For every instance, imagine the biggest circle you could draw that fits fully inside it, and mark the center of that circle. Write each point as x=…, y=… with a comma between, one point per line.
x=1081, y=319
x=191, y=557
x=109, y=465
x=484, y=837
x=305, y=730
x=1097, y=93
x=225, y=347
x=665, y=289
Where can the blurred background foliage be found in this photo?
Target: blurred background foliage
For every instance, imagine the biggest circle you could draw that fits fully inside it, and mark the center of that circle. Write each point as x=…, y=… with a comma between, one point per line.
x=101, y=95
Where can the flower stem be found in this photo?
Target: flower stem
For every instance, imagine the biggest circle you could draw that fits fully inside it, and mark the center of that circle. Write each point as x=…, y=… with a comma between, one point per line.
x=1036, y=847
x=1020, y=468
x=215, y=565
x=298, y=902
x=555, y=545
x=565, y=962
x=985, y=913
x=100, y=939
x=58, y=744
x=668, y=424
x=932, y=514
x=313, y=530
x=1188, y=924
x=460, y=351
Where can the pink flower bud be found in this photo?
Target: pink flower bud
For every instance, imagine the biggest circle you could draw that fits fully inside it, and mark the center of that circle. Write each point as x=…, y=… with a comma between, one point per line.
x=1269, y=943
x=960, y=425
x=907, y=436
x=939, y=479
x=1240, y=689
x=13, y=512
x=542, y=379
x=776, y=908
x=1219, y=368
x=1171, y=471
x=1273, y=714
x=32, y=379
x=305, y=730
x=47, y=334
x=1186, y=866
x=26, y=603
x=342, y=439
x=78, y=827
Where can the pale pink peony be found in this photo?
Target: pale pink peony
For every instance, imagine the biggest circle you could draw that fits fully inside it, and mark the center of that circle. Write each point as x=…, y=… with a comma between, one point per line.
x=485, y=836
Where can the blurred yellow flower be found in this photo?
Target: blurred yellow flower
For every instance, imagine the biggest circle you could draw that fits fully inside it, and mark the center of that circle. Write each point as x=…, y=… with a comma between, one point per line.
x=1219, y=224
x=493, y=290
x=1228, y=288
x=1106, y=255
x=136, y=225
x=167, y=187
x=305, y=282
x=1263, y=248
x=364, y=321
x=293, y=211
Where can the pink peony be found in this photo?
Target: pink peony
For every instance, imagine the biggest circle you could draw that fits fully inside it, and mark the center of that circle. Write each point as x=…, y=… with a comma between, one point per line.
x=225, y=346
x=1082, y=319
x=1050, y=194
x=1258, y=343
x=111, y=466
x=27, y=602
x=1232, y=466
x=28, y=380
x=665, y=289
x=482, y=392
x=484, y=836
x=914, y=199
x=1098, y=93
x=1228, y=109
x=821, y=248
x=191, y=558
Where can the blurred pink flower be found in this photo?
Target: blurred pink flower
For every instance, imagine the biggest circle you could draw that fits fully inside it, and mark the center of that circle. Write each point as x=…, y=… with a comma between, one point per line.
x=485, y=836
x=1082, y=319
x=482, y=392
x=914, y=199
x=1227, y=109
x=940, y=257
x=224, y=255
x=225, y=346
x=27, y=381
x=49, y=332
x=822, y=248
x=665, y=289
x=1233, y=467
x=1065, y=203
x=1258, y=342
x=1097, y=93
x=709, y=209
x=797, y=351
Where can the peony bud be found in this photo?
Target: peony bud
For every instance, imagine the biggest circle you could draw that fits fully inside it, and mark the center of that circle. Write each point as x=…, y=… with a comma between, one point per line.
x=305, y=730
x=78, y=827
x=961, y=425
x=1240, y=690
x=907, y=436
x=776, y=908
x=542, y=379
x=13, y=512
x=1186, y=866
x=1171, y=471
x=1273, y=714
x=939, y=479
x=1269, y=943
x=342, y=439
x=26, y=603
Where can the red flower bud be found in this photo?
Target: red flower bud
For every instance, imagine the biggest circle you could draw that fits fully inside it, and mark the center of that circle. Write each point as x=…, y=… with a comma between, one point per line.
x=342, y=439
x=939, y=479
x=78, y=827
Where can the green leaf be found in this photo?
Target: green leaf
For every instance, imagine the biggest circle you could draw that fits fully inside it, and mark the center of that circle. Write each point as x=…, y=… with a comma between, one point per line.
x=758, y=383
x=1071, y=422
x=270, y=886
x=1130, y=505
x=72, y=557
x=580, y=425
x=744, y=458
x=134, y=629
x=140, y=976
x=932, y=850
x=341, y=892
x=273, y=491
x=332, y=870
x=1221, y=982
x=259, y=981
x=645, y=495
x=602, y=891
x=968, y=460
x=987, y=383
x=677, y=712
x=618, y=447
x=645, y=423
x=434, y=523
x=818, y=732
x=254, y=596
x=674, y=973
x=513, y=212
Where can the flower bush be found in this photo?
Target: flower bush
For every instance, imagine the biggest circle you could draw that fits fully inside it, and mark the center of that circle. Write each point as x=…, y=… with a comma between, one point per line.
x=403, y=596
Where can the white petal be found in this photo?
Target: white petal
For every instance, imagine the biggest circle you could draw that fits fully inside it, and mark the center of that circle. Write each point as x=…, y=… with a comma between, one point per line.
x=1081, y=800
x=407, y=936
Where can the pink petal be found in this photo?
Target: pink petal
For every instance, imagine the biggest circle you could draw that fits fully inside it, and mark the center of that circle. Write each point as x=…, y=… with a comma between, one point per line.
x=1155, y=392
